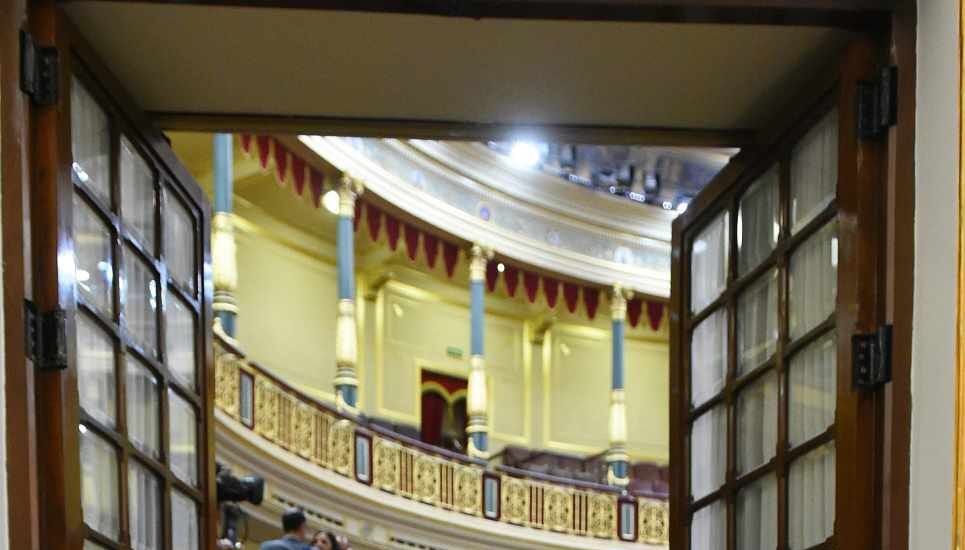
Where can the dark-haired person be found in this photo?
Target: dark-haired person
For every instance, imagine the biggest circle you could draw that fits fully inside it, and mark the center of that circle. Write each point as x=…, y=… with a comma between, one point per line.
x=295, y=525
x=326, y=540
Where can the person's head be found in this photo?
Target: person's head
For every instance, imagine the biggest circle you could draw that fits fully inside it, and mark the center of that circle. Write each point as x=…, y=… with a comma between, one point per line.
x=294, y=523
x=325, y=540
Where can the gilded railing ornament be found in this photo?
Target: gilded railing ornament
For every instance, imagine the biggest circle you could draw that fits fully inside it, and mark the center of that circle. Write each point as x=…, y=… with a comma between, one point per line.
x=515, y=500
x=602, y=520
x=654, y=522
x=321, y=436
x=342, y=446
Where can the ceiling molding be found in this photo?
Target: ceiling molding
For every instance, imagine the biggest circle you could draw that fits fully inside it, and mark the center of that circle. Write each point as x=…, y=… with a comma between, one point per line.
x=452, y=130
x=464, y=225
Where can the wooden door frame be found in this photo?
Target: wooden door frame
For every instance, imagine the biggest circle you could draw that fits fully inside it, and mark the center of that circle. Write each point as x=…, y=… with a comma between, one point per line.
x=18, y=397
x=32, y=150
x=890, y=302
x=15, y=174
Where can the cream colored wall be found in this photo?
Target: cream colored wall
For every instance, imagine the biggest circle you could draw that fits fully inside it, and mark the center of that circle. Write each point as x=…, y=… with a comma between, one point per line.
x=544, y=393
x=286, y=298
x=933, y=348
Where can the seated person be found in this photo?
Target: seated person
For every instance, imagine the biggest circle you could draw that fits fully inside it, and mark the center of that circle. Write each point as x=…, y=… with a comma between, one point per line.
x=295, y=525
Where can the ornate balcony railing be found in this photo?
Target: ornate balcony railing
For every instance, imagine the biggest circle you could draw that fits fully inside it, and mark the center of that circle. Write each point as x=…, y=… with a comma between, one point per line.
x=374, y=456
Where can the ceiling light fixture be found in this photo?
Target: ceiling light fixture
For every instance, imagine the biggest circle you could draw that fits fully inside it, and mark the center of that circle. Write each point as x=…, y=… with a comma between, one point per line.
x=330, y=201
x=500, y=267
x=524, y=154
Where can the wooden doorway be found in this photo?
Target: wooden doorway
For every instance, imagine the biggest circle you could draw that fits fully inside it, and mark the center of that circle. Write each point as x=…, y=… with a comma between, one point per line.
x=776, y=266
x=120, y=247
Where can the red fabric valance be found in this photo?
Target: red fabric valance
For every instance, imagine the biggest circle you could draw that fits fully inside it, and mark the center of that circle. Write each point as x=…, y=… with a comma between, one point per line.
x=287, y=165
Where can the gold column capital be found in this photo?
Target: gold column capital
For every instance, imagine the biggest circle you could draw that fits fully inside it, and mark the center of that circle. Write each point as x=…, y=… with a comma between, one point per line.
x=618, y=302
x=479, y=256
x=349, y=188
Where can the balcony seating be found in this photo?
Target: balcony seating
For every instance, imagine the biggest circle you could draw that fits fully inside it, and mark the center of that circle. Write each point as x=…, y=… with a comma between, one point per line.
x=646, y=478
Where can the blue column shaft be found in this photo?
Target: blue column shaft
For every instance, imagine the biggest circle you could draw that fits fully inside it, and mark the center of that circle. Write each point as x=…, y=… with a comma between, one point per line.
x=223, y=151
x=617, y=377
x=346, y=258
x=223, y=182
x=477, y=317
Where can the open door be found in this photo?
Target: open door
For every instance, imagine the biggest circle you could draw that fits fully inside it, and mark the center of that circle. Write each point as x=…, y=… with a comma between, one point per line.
x=121, y=256
x=775, y=267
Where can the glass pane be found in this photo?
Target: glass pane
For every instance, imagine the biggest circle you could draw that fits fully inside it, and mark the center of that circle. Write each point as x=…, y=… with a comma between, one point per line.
x=813, y=281
x=757, y=423
x=814, y=172
x=184, y=439
x=179, y=242
x=708, y=529
x=758, y=221
x=94, y=270
x=143, y=406
x=184, y=522
x=708, y=452
x=708, y=263
x=757, y=515
x=144, y=502
x=757, y=322
x=98, y=484
x=138, y=197
x=813, y=390
x=140, y=302
x=181, y=341
x=96, y=382
x=90, y=142
x=811, y=498
x=708, y=357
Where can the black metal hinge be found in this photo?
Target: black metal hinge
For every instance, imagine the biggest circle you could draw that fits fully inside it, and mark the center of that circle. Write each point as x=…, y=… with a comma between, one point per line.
x=871, y=355
x=46, y=337
x=39, y=71
x=878, y=104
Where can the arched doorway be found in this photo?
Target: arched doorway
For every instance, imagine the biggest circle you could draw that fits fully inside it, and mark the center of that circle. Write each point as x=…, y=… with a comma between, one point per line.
x=443, y=405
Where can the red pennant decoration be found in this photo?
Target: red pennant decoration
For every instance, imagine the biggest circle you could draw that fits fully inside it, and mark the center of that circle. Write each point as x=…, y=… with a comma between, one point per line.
x=511, y=279
x=298, y=174
x=392, y=231
x=430, y=245
x=264, y=149
x=551, y=288
x=571, y=294
x=591, y=299
x=655, y=314
x=531, y=284
x=450, y=255
x=281, y=162
x=411, y=239
x=316, y=181
x=634, y=309
x=492, y=275
x=373, y=215
x=246, y=143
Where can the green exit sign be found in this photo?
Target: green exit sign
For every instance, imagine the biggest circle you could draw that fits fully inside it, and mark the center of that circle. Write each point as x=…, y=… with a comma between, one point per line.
x=454, y=352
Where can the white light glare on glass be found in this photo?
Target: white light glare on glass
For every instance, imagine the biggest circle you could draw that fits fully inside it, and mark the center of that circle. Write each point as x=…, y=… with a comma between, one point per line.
x=330, y=201
x=524, y=154
x=682, y=207
x=500, y=267
x=667, y=205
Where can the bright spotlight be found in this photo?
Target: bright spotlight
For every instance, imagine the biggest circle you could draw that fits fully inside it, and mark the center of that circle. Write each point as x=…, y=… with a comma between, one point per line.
x=682, y=207
x=330, y=201
x=500, y=267
x=524, y=154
